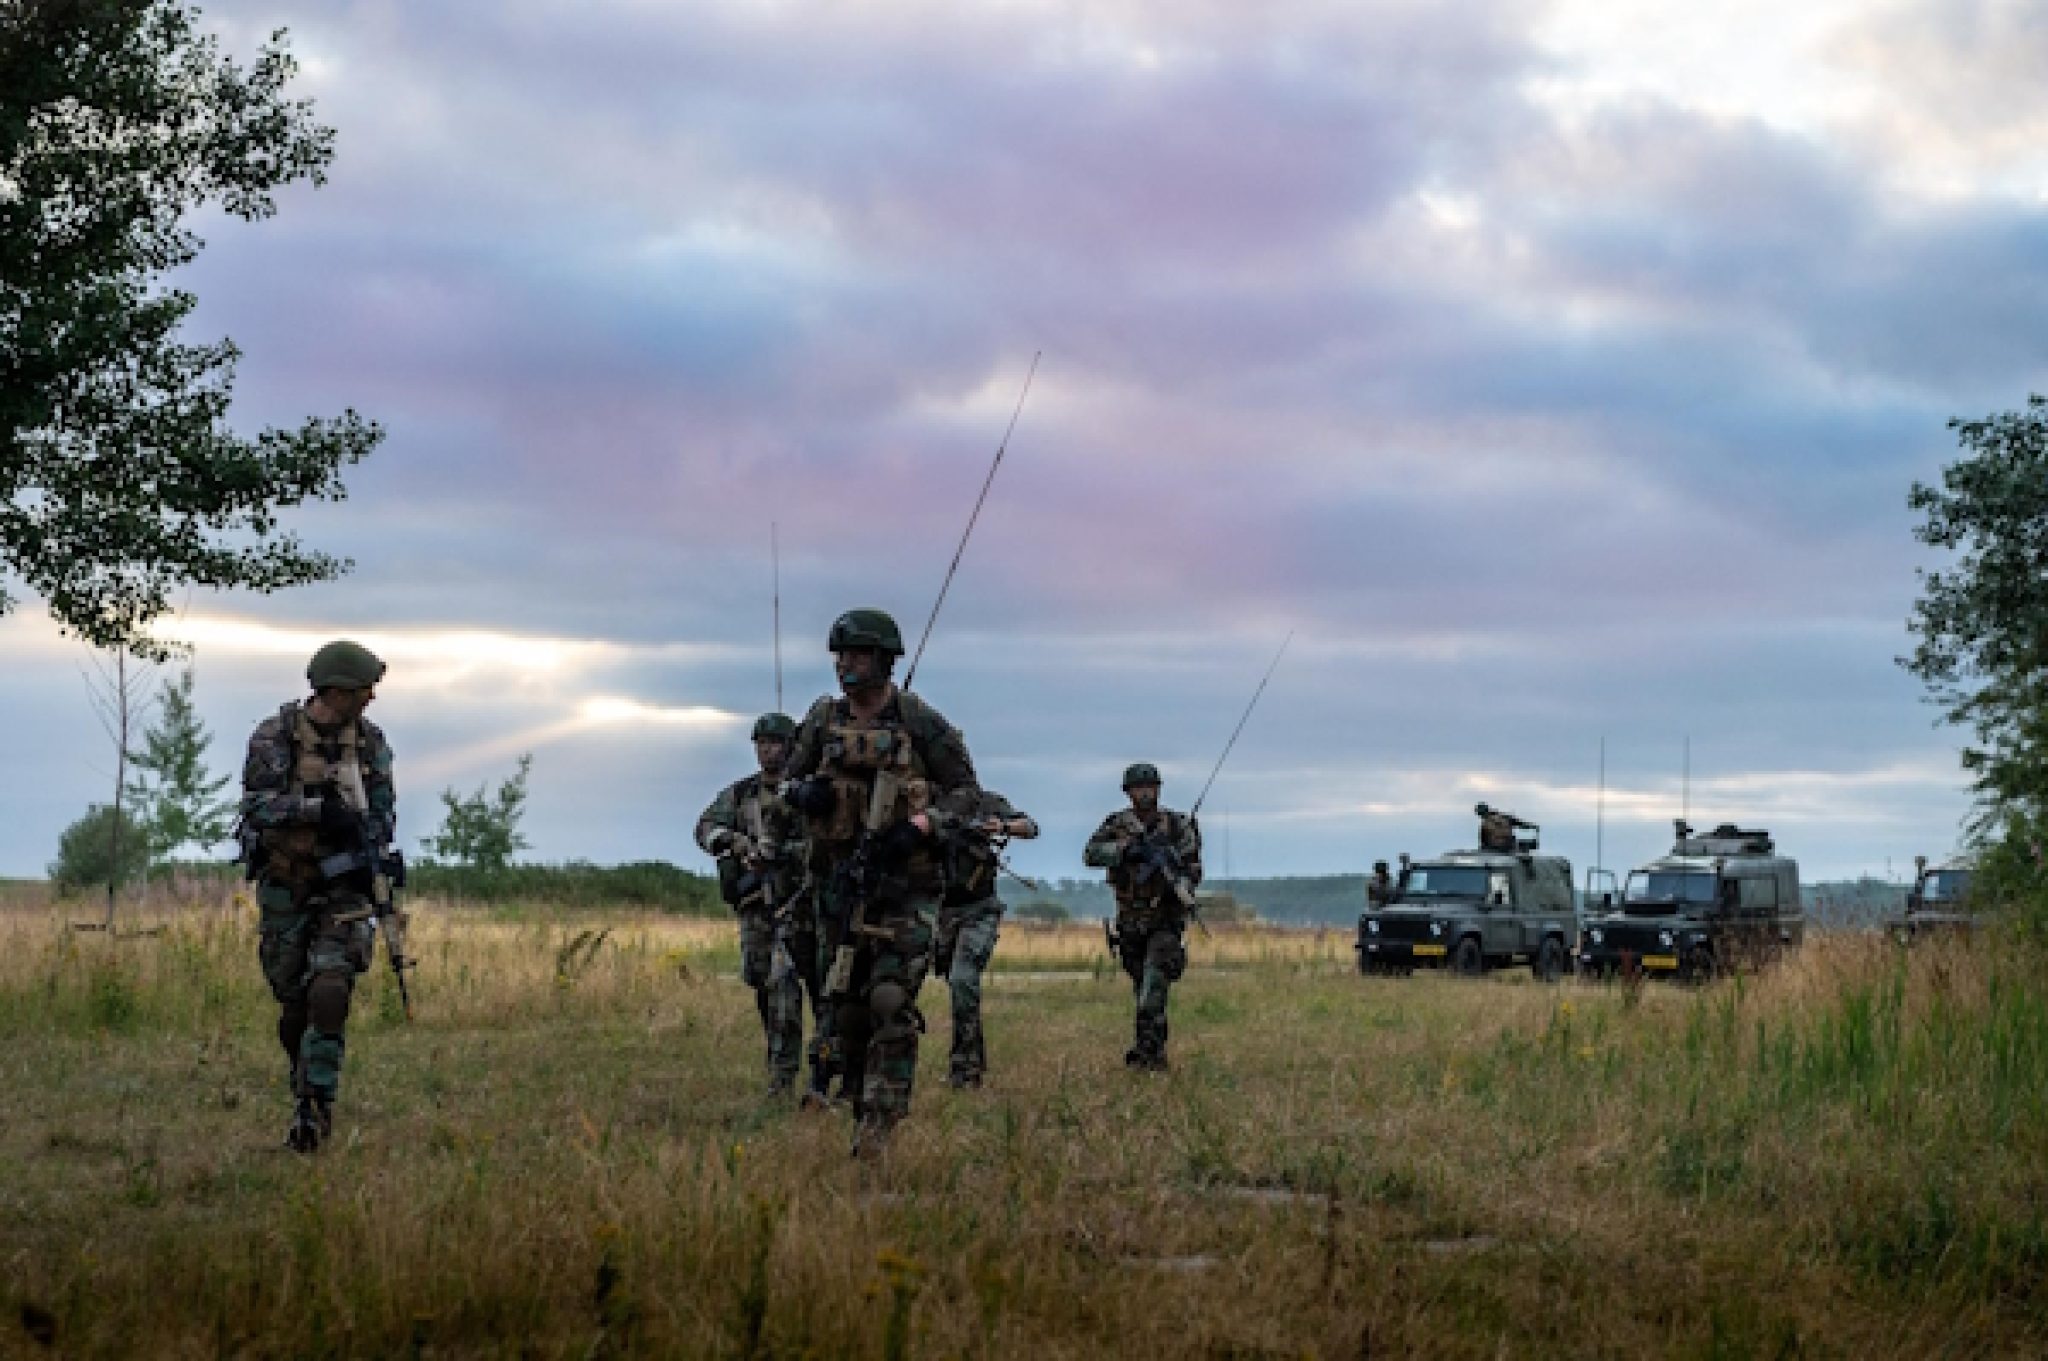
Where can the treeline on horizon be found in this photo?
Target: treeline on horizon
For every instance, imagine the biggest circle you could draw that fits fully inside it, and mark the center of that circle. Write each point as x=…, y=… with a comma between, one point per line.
x=1337, y=899
x=661, y=886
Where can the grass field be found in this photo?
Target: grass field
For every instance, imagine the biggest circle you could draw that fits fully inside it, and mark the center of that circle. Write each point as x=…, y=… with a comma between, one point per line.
x=567, y=1154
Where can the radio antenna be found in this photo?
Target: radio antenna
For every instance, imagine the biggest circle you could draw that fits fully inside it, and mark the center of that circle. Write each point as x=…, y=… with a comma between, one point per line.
x=986, y=483
x=1240, y=726
x=775, y=555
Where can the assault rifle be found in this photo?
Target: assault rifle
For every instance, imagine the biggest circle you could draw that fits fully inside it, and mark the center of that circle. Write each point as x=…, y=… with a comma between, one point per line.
x=1158, y=859
x=763, y=878
x=866, y=881
x=383, y=870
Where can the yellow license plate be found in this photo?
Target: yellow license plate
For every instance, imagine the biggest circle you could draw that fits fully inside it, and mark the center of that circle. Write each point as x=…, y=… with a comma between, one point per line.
x=1660, y=961
x=1429, y=949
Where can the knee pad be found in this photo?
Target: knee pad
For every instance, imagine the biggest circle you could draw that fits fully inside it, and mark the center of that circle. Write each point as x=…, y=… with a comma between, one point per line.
x=327, y=1001
x=887, y=998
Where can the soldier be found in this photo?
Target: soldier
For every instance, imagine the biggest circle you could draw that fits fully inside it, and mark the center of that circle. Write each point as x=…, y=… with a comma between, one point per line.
x=1154, y=859
x=1497, y=829
x=1379, y=890
x=317, y=788
x=756, y=840
x=970, y=916
x=880, y=777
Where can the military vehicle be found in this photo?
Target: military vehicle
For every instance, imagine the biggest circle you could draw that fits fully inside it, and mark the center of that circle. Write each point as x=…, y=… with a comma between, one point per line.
x=1470, y=911
x=1939, y=900
x=1717, y=902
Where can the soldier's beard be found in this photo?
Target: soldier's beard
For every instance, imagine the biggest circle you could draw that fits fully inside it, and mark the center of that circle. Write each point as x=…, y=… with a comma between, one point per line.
x=1145, y=804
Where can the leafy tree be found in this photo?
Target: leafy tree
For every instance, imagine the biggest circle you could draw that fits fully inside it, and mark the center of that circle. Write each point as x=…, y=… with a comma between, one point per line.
x=119, y=477
x=481, y=830
x=175, y=800
x=87, y=851
x=1982, y=622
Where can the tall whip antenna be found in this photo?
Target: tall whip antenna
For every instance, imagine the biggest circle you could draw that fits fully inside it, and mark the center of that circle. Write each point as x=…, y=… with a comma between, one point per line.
x=1600, y=813
x=775, y=554
x=1240, y=726
x=986, y=483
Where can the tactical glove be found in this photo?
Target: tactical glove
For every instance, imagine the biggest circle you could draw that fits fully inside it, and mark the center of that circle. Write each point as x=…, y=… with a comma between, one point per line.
x=896, y=845
x=814, y=797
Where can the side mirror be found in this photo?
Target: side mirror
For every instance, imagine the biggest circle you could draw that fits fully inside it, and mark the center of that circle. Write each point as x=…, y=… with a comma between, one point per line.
x=1607, y=900
x=1500, y=899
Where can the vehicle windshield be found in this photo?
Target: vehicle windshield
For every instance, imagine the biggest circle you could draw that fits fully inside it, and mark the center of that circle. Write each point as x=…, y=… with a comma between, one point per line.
x=1444, y=881
x=1946, y=886
x=1670, y=886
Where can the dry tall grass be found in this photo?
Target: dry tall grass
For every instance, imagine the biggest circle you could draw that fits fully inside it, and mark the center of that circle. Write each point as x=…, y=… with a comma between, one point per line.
x=567, y=1154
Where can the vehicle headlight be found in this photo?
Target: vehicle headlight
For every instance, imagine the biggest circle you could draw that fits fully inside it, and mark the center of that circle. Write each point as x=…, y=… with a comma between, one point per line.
x=1373, y=926
x=1436, y=928
x=1598, y=935
x=1664, y=939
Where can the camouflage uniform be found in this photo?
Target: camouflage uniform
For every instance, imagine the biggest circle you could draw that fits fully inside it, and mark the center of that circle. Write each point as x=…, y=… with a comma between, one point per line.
x=757, y=842
x=1496, y=833
x=970, y=918
x=876, y=1002
x=1379, y=890
x=316, y=934
x=1149, y=916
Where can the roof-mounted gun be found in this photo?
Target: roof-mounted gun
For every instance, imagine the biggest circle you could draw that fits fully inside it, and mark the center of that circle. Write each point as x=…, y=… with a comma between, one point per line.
x=1497, y=828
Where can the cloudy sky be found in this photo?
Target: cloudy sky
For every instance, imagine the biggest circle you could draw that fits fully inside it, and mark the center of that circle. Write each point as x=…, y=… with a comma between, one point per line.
x=1556, y=372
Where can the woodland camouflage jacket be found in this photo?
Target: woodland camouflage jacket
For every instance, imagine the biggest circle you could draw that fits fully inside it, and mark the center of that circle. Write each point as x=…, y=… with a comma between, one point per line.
x=1105, y=851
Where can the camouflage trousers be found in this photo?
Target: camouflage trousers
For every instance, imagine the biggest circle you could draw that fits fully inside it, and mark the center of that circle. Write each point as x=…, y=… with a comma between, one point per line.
x=965, y=942
x=1152, y=954
x=310, y=958
x=768, y=967
x=877, y=1015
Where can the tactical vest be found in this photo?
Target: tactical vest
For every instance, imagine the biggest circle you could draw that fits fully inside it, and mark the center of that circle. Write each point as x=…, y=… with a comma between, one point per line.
x=292, y=853
x=856, y=754
x=1156, y=890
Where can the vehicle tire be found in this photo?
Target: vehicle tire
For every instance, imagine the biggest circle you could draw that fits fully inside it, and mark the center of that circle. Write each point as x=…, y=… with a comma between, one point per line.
x=1551, y=963
x=1468, y=960
x=1699, y=965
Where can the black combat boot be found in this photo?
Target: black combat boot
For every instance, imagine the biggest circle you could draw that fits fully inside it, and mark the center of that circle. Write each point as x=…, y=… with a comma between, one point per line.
x=312, y=1125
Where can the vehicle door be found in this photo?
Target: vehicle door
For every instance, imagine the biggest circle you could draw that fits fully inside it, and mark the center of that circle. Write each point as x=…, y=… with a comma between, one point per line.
x=1502, y=933
x=1791, y=910
x=1760, y=916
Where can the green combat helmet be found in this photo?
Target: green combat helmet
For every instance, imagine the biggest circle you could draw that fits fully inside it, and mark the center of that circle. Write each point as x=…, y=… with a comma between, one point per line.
x=865, y=628
x=774, y=727
x=1142, y=773
x=344, y=665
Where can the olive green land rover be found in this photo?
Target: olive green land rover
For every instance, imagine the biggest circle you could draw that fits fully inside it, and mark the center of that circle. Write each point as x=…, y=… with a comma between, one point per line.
x=1472, y=911
x=1719, y=901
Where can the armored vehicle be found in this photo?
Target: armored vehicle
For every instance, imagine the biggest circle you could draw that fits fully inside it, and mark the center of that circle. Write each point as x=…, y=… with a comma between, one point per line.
x=1940, y=899
x=1720, y=901
x=1470, y=911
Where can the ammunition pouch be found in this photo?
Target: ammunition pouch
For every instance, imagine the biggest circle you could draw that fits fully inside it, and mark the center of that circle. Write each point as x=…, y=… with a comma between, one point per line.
x=290, y=855
x=731, y=877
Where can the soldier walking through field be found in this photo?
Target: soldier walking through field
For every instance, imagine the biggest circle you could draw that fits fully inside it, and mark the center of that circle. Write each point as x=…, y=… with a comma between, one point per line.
x=881, y=778
x=1154, y=860
x=970, y=917
x=319, y=811
x=758, y=843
